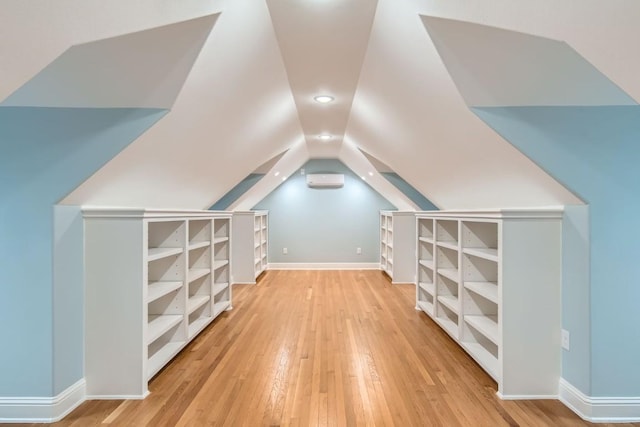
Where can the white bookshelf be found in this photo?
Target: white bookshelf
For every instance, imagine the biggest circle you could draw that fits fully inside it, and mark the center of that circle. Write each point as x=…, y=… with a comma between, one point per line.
x=250, y=245
x=154, y=280
x=491, y=280
x=397, y=236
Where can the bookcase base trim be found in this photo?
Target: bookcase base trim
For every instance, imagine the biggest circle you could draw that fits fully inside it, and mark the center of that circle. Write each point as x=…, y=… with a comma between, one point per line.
x=244, y=283
x=599, y=409
x=42, y=409
x=527, y=396
x=118, y=396
x=324, y=266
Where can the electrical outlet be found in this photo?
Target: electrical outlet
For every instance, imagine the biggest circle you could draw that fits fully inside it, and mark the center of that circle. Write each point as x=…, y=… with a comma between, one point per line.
x=566, y=342
x=285, y=251
x=359, y=251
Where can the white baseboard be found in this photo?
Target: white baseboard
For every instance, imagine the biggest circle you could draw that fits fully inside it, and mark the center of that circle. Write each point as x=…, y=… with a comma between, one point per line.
x=527, y=396
x=600, y=409
x=42, y=409
x=324, y=266
x=243, y=283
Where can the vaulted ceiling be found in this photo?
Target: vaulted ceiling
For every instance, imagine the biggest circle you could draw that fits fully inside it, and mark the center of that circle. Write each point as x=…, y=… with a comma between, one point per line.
x=248, y=97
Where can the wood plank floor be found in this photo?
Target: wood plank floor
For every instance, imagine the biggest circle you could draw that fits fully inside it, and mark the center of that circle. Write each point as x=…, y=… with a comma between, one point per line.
x=330, y=348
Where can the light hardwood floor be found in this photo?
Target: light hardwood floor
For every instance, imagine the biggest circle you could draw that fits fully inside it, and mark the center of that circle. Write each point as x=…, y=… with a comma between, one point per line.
x=335, y=348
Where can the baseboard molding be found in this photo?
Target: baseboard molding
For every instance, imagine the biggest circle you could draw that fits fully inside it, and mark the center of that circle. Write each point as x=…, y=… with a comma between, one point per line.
x=324, y=266
x=42, y=409
x=243, y=283
x=527, y=396
x=599, y=409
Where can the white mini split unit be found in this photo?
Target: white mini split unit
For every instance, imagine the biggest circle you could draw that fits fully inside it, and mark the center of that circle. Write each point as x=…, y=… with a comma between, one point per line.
x=325, y=180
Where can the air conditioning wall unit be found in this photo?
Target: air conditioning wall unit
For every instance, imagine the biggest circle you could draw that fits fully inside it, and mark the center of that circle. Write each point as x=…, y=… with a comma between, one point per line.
x=325, y=180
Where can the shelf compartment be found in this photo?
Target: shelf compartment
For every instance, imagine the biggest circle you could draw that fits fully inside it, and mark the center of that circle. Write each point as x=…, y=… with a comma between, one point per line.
x=167, y=269
x=426, y=306
x=449, y=301
x=220, y=263
x=477, y=269
x=198, y=245
x=446, y=230
x=450, y=326
x=199, y=231
x=165, y=238
x=425, y=250
x=159, y=289
x=197, y=301
x=221, y=251
x=425, y=294
x=486, y=325
x=219, y=287
x=198, y=325
x=160, y=324
x=219, y=307
x=484, y=357
x=425, y=229
x=197, y=273
x=449, y=273
x=221, y=227
x=486, y=253
x=160, y=357
x=429, y=288
x=488, y=290
x=480, y=238
x=448, y=245
x=447, y=263
x=425, y=272
x=154, y=254
x=427, y=263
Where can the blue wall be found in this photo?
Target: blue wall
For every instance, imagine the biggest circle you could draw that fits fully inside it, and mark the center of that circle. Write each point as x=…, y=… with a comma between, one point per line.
x=45, y=154
x=324, y=225
x=595, y=152
x=237, y=191
x=407, y=189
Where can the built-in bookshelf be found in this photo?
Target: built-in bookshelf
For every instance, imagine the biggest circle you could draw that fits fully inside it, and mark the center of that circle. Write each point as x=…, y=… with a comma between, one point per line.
x=154, y=280
x=491, y=280
x=397, y=236
x=250, y=245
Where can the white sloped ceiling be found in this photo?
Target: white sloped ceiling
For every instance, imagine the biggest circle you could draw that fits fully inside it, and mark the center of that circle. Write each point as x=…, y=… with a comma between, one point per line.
x=248, y=95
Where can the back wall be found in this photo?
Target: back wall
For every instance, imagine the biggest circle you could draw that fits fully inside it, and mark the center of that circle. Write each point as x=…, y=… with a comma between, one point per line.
x=324, y=225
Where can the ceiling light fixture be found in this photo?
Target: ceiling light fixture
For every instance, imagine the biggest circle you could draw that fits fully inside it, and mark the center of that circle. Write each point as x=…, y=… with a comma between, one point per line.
x=370, y=173
x=323, y=99
x=277, y=173
x=284, y=178
x=325, y=137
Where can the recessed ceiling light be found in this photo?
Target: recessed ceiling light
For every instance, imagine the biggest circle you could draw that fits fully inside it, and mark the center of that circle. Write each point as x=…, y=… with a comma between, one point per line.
x=363, y=178
x=284, y=178
x=277, y=173
x=325, y=137
x=370, y=173
x=323, y=99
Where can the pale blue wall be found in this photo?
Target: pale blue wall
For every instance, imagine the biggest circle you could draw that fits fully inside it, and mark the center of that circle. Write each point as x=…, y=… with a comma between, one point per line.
x=595, y=152
x=407, y=189
x=237, y=191
x=324, y=225
x=44, y=154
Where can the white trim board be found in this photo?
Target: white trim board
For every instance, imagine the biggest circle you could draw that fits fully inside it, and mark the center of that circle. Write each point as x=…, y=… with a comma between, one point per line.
x=42, y=409
x=599, y=409
x=324, y=266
